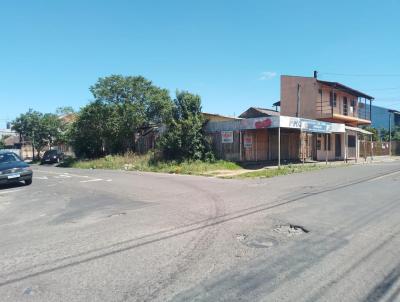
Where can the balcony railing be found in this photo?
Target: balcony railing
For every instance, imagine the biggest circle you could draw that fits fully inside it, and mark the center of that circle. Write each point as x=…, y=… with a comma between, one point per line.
x=327, y=109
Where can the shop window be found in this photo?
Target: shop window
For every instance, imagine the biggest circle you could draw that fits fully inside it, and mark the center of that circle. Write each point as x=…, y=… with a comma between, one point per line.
x=351, y=141
x=318, y=144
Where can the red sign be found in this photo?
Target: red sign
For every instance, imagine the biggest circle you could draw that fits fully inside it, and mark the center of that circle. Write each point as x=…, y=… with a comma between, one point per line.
x=263, y=123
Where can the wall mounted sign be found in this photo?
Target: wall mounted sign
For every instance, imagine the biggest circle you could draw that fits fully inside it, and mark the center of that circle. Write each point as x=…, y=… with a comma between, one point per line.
x=227, y=137
x=247, y=141
x=302, y=124
x=260, y=122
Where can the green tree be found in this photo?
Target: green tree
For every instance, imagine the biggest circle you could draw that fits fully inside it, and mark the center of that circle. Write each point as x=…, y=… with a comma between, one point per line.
x=40, y=129
x=184, y=138
x=374, y=131
x=51, y=125
x=89, y=133
x=64, y=110
x=2, y=144
x=125, y=104
x=29, y=126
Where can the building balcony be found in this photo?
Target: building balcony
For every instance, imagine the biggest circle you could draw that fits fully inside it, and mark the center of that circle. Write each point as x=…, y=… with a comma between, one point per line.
x=359, y=114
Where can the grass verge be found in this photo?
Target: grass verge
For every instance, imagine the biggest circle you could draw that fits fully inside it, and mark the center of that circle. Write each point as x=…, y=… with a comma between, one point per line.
x=219, y=168
x=133, y=162
x=284, y=170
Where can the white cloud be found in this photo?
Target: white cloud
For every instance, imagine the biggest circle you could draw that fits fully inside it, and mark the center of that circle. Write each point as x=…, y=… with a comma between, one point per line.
x=267, y=75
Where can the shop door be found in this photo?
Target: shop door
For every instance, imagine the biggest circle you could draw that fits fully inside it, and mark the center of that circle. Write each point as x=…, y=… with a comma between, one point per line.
x=338, y=146
x=285, y=142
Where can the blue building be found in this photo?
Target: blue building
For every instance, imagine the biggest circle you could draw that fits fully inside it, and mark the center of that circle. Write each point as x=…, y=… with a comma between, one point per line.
x=381, y=115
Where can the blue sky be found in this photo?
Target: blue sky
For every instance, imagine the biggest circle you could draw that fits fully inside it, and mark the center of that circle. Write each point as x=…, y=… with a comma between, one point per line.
x=229, y=52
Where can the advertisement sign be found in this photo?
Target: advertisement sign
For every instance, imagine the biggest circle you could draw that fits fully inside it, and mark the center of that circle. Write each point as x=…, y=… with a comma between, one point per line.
x=247, y=141
x=315, y=126
x=310, y=125
x=269, y=122
x=290, y=122
x=260, y=122
x=227, y=137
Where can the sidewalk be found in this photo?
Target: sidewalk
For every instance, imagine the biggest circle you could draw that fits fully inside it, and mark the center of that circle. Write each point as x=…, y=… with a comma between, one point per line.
x=360, y=161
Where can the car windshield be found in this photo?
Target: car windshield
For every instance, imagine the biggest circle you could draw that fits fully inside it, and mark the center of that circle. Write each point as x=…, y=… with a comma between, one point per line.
x=8, y=157
x=50, y=152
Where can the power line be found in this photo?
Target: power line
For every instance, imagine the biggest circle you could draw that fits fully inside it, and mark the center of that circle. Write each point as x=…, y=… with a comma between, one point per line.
x=382, y=89
x=361, y=74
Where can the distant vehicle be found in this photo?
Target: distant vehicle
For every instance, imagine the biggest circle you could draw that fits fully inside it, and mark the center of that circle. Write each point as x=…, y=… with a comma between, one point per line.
x=52, y=156
x=13, y=169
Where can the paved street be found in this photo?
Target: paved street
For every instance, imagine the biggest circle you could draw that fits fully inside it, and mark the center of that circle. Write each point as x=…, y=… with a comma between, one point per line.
x=89, y=235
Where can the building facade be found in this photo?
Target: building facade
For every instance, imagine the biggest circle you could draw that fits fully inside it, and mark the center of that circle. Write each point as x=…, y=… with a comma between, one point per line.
x=309, y=97
x=384, y=118
x=273, y=138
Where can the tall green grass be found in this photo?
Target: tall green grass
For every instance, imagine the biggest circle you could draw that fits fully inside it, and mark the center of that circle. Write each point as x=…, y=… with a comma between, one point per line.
x=134, y=162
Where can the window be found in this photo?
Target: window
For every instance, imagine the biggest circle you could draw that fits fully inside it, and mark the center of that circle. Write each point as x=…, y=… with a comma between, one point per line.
x=318, y=143
x=351, y=141
x=8, y=157
x=396, y=119
x=327, y=142
x=345, y=109
x=352, y=106
x=332, y=99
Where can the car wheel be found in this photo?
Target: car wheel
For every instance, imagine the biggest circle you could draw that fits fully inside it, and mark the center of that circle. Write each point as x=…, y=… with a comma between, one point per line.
x=28, y=182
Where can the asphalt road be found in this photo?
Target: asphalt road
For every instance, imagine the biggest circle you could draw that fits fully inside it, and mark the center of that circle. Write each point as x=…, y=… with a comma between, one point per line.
x=90, y=235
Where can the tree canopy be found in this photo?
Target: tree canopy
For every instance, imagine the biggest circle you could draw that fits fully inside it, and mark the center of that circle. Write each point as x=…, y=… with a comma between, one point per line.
x=184, y=138
x=40, y=129
x=122, y=105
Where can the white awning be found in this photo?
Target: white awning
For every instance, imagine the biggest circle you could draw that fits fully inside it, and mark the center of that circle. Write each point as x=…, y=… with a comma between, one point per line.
x=359, y=130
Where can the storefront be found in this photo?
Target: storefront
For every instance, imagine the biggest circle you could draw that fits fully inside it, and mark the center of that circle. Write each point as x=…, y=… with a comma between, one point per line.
x=275, y=138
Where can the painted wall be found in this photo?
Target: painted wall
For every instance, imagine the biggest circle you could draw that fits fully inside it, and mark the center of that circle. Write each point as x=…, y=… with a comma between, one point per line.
x=380, y=118
x=331, y=153
x=308, y=96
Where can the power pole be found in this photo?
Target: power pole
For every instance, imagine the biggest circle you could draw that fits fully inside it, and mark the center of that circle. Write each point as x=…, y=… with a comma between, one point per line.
x=390, y=133
x=33, y=145
x=298, y=100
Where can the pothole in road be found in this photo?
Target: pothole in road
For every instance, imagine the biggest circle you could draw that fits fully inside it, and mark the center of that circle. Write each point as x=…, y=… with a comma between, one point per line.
x=241, y=237
x=273, y=237
x=291, y=230
x=116, y=214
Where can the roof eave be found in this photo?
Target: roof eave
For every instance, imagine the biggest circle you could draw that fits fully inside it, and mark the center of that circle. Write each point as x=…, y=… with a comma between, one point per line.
x=346, y=88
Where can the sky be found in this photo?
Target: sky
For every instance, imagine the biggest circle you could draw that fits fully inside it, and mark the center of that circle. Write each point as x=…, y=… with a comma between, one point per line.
x=231, y=53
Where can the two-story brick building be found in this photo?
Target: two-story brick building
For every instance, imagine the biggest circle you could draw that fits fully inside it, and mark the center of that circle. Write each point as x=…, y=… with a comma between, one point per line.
x=309, y=97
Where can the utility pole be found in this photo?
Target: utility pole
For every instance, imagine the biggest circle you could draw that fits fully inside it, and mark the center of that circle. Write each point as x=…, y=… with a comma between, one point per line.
x=33, y=145
x=390, y=131
x=279, y=147
x=390, y=128
x=298, y=100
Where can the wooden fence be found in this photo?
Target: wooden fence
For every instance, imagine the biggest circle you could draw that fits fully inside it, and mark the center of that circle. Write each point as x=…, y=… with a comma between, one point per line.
x=378, y=148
